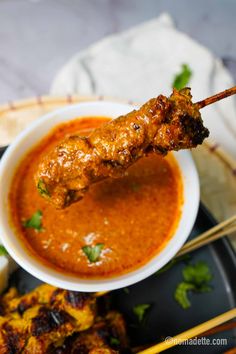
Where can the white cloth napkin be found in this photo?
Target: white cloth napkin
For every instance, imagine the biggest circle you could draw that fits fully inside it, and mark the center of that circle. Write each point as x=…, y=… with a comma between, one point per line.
x=140, y=63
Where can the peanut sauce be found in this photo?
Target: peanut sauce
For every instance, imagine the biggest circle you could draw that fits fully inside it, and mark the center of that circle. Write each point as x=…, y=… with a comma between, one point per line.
x=133, y=216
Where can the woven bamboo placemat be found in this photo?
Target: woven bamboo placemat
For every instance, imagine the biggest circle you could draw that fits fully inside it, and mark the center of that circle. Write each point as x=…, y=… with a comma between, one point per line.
x=216, y=168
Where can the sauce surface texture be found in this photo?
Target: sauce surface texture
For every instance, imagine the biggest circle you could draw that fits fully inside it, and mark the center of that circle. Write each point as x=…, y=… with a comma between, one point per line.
x=133, y=216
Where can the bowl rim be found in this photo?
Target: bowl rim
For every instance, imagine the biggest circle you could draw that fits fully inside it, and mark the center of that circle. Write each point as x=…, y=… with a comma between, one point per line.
x=33, y=265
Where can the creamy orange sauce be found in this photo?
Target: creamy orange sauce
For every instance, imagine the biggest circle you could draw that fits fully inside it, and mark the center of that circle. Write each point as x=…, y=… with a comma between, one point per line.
x=133, y=217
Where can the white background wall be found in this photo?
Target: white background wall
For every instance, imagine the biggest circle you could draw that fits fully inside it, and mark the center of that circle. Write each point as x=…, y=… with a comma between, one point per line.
x=38, y=36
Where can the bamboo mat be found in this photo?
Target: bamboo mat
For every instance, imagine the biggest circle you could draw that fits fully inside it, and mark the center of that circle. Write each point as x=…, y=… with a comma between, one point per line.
x=216, y=168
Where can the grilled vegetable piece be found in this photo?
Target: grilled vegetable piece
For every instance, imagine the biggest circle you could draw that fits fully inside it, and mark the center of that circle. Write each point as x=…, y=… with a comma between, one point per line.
x=46, y=315
x=160, y=125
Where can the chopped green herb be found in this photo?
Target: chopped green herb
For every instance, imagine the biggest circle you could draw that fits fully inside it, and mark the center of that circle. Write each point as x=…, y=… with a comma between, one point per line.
x=198, y=274
x=35, y=222
x=174, y=261
x=140, y=311
x=196, y=278
x=181, y=294
x=3, y=251
x=126, y=290
x=183, y=77
x=42, y=188
x=114, y=341
x=93, y=252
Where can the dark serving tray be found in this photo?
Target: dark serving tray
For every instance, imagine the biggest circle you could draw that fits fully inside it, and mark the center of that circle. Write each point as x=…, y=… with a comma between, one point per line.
x=166, y=318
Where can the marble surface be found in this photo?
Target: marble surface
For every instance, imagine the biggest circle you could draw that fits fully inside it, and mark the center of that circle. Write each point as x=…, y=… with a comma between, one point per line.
x=38, y=36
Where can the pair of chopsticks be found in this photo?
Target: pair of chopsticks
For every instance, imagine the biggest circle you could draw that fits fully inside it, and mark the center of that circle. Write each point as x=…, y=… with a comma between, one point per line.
x=191, y=333
x=226, y=227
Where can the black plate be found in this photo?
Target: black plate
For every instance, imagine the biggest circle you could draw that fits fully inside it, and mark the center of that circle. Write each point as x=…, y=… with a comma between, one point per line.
x=166, y=318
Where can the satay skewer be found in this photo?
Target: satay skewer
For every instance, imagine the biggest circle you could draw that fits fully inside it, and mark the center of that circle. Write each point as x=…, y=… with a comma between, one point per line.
x=161, y=125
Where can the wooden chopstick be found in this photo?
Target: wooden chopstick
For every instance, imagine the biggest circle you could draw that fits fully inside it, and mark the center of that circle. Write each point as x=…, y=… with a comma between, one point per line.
x=214, y=229
x=231, y=351
x=190, y=333
x=202, y=241
x=218, y=329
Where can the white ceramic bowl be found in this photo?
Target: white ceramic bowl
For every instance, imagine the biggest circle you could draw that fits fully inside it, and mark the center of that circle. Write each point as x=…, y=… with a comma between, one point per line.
x=32, y=135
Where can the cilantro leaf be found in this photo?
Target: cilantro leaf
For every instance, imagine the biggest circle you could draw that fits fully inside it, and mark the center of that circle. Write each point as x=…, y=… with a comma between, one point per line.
x=183, y=77
x=42, y=188
x=35, y=222
x=181, y=294
x=3, y=251
x=140, y=311
x=196, y=278
x=114, y=341
x=93, y=252
x=198, y=274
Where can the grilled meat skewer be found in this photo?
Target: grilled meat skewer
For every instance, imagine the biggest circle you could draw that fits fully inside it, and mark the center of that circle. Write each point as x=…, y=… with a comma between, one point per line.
x=49, y=320
x=107, y=335
x=34, y=321
x=160, y=125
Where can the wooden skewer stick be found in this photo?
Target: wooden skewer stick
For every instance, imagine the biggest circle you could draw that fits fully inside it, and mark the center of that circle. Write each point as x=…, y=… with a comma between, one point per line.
x=231, y=351
x=219, y=96
x=214, y=229
x=224, y=228
x=190, y=333
x=218, y=329
x=189, y=248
